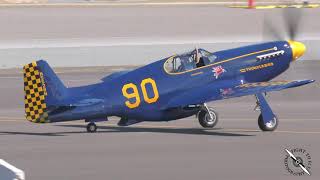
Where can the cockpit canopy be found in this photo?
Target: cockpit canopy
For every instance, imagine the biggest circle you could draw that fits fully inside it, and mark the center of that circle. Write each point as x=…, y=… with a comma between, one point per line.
x=188, y=61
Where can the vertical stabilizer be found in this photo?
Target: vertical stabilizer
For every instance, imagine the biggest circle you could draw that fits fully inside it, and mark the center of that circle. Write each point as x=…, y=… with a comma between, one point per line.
x=42, y=87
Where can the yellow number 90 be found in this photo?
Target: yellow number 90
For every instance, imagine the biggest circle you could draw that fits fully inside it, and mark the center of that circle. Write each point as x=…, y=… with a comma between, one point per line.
x=135, y=93
x=154, y=88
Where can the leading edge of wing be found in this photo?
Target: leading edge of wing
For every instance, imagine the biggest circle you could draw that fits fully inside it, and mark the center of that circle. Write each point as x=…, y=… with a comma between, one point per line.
x=260, y=87
x=211, y=92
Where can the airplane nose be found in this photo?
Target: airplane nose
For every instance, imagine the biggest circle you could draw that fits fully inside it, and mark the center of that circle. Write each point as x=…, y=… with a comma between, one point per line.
x=297, y=48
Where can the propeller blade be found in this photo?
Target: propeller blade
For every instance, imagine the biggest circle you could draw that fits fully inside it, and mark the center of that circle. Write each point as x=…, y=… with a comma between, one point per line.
x=269, y=28
x=292, y=17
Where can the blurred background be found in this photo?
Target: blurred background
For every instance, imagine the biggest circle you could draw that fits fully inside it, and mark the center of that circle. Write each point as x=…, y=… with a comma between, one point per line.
x=73, y=33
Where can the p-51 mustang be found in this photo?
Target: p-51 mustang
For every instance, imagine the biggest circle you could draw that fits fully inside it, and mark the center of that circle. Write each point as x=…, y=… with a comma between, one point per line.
x=169, y=89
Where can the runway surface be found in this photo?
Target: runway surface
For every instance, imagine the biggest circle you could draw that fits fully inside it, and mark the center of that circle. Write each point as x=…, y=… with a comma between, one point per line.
x=108, y=35
x=181, y=149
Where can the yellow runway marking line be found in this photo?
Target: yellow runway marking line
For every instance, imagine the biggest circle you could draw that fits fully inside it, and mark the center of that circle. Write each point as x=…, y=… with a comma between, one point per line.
x=114, y=4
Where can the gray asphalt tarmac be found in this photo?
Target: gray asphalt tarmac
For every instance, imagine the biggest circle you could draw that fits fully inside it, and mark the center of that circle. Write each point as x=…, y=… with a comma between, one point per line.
x=110, y=35
x=181, y=149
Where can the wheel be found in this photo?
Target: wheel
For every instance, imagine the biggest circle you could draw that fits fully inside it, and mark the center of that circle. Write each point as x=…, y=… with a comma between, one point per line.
x=205, y=119
x=91, y=127
x=271, y=126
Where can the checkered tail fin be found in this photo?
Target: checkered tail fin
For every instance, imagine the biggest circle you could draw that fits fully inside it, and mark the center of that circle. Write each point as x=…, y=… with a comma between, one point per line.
x=42, y=87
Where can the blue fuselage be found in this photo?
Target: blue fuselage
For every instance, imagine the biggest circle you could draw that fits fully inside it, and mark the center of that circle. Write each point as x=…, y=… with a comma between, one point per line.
x=142, y=93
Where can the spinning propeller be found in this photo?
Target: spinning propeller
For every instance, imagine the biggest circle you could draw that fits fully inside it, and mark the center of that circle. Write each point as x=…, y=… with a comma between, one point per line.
x=292, y=18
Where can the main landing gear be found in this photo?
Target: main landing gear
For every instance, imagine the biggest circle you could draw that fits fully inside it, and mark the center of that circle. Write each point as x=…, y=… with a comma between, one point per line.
x=269, y=126
x=207, y=117
x=267, y=121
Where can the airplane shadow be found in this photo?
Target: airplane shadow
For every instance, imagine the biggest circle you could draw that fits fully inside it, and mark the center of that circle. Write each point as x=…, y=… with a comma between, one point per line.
x=132, y=129
x=33, y=134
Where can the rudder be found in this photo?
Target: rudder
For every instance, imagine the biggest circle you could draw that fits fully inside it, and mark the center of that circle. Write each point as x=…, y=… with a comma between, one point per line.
x=42, y=88
x=34, y=94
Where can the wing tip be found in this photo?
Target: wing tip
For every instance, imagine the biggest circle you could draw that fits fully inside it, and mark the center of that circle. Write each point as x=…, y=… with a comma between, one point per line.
x=307, y=81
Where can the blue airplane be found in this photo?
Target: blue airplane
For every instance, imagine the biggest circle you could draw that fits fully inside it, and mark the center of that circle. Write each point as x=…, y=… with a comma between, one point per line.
x=175, y=87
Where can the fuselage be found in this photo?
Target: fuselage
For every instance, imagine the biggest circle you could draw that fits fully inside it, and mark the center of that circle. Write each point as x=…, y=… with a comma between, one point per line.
x=141, y=93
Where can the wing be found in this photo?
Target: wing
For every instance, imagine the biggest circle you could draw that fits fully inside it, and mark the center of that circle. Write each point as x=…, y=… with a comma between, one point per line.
x=212, y=92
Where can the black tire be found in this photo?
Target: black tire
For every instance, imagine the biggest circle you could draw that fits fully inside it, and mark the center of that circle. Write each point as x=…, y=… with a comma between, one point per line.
x=270, y=127
x=205, y=120
x=92, y=127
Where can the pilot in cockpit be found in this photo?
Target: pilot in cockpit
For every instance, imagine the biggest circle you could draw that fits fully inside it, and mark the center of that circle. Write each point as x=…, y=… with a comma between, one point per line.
x=198, y=58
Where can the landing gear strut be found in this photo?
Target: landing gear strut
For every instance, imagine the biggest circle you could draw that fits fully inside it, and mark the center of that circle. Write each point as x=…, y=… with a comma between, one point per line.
x=207, y=117
x=267, y=121
x=91, y=127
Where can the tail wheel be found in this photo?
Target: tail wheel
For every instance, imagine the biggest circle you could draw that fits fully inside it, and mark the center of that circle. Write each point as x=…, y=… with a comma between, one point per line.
x=206, y=120
x=270, y=126
x=91, y=127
